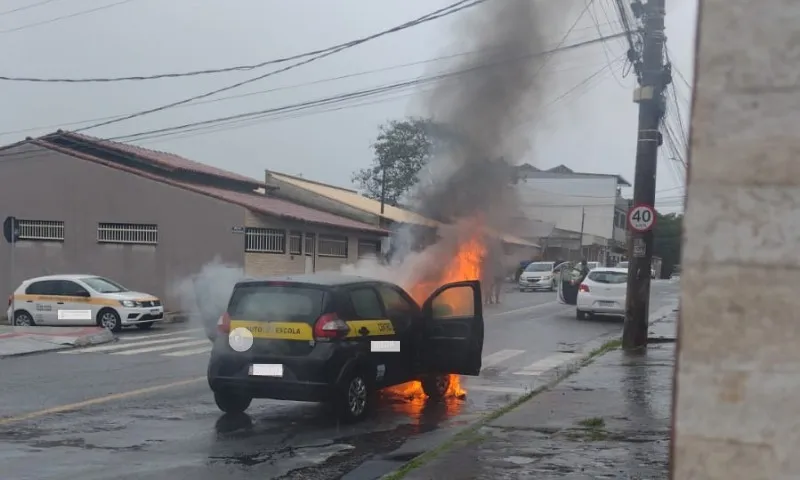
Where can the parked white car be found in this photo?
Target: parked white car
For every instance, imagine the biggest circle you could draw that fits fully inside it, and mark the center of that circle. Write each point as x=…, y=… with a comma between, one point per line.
x=602, y=292
x=539, y=276
x=82, y=300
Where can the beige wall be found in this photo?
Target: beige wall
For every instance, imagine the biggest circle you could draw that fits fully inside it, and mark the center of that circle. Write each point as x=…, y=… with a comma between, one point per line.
x=738, y=379
x=264, y=264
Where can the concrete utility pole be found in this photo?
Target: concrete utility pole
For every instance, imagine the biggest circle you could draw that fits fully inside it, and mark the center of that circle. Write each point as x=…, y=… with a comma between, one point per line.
x=641, y=218
x=583, y=220
x=738, y=369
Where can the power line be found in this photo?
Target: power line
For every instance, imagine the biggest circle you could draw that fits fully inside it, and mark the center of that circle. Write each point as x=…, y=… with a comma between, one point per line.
x=27, y=7
x=64, y=17
x=442, y=12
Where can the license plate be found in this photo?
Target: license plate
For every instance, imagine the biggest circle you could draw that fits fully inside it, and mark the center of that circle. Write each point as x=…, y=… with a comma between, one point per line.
x=266, y=370
x=607, y=304
x=154, y=311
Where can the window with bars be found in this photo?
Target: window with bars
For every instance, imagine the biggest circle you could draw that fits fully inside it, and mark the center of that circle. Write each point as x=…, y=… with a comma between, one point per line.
x=295, y=243
x=332, y=246
x=130, y=233
x=369, y=248
x=264, y=240
x=40, y=230
x=310, y=244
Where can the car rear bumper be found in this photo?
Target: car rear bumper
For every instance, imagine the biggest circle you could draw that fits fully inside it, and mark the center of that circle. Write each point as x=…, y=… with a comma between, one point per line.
x=590, y=305
x=276, y=389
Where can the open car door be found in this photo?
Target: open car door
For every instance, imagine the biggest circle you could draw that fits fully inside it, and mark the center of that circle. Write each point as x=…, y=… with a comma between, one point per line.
x=453, y=329
x=568, y=286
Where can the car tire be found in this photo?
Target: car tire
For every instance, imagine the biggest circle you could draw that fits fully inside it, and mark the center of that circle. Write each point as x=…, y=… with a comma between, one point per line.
x=23, y=319
x=109, y=319
x=353, y=397
x=144, y=326
x=436, y=386
x=232, y=402
x=581, y=315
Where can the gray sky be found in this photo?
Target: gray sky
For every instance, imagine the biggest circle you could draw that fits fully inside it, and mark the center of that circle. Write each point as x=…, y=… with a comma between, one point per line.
x=591, y=122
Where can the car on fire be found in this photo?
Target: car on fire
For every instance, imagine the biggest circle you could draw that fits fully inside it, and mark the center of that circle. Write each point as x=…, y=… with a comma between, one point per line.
x=338, y=339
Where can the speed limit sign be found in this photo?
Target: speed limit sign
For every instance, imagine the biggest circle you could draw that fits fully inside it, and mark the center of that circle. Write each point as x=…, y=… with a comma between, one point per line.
x=641, y=218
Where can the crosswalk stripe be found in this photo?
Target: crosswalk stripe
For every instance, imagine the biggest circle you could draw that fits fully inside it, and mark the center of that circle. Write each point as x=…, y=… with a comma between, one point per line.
x=497, y=389
x=118, y=346
x=186, y=353
x=499, y=357
x=133, y=338
x=547, y=363
x=161, y=348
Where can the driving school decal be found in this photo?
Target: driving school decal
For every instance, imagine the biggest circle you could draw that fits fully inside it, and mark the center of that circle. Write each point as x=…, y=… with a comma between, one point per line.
x=276, y=330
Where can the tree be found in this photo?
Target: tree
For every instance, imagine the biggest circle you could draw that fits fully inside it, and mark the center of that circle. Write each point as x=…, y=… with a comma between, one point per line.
x=402, y=149
x=667, y=241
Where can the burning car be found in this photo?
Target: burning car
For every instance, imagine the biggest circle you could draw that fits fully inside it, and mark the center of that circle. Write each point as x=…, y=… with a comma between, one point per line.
x=339, y=338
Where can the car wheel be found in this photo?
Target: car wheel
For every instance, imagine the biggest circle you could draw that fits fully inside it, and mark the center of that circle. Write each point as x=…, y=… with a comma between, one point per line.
x=144, y=326
x=353, y=398
x=23, y=319
x=436, y=386
x=232, y=402
x=109, y=319
x=581, y=315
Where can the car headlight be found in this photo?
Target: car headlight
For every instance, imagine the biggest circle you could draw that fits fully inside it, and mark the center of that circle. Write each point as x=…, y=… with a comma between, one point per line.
x=129, y=303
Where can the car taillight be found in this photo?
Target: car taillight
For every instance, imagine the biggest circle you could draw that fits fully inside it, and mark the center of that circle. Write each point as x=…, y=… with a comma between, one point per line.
x=224, y=323
x=330, y=326
x=584, y=288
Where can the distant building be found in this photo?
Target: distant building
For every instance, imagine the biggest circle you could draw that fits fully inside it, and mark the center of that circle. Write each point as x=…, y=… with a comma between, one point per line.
x=149, y=219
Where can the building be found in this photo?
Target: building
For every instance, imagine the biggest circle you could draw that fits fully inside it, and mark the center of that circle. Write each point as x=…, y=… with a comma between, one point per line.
x=351, y=204
x=586, y=209
x=150, y=219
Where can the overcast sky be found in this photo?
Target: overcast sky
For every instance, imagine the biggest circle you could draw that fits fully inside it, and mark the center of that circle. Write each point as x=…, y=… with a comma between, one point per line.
x=590, y=124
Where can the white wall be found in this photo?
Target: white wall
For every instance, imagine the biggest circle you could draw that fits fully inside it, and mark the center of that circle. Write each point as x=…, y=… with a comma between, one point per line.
x=559, y=200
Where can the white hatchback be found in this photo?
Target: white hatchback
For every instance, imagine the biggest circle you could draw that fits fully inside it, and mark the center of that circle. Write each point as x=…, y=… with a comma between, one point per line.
x=603, y=292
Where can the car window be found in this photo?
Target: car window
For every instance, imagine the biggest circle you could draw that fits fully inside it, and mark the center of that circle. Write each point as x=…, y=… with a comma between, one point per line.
x=455, y=302
x=366, y=304
x=70, y=289
x=539, y=267
x=44, y=287
x=103, y=285
x=399, y=310
x=269, y=303
x=608, y=277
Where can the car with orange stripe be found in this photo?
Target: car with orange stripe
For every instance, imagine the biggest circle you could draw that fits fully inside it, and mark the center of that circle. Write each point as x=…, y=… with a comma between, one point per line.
x=336, y=338
x=82, y=300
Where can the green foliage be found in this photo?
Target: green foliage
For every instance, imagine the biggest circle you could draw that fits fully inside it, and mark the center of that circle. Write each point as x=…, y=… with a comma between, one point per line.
x=403, y=148
x=667, y=241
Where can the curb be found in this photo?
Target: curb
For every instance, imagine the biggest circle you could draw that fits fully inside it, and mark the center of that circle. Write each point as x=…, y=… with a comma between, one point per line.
x=550, y=378
x=98, y=338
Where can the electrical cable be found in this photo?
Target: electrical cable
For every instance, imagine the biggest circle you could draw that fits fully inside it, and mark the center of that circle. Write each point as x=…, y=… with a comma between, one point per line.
x=64, y=17
x=27, y=7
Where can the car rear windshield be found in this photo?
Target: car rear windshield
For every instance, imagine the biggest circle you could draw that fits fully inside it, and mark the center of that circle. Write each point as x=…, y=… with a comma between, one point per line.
x=272, y=303
x=608, y=277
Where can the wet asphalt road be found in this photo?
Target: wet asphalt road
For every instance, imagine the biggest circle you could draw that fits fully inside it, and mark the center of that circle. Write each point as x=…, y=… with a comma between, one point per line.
x=142, y=409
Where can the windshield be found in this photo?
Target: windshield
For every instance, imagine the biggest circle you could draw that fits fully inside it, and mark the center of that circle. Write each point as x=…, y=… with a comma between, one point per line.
x=266, y=303
x=104, y=285
x=539, y=267
x=608, y=277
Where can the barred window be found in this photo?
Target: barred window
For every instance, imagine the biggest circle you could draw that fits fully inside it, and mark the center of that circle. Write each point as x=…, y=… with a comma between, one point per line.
x=311, y=244
x=264, y=240
x=332, y=246
x=40, y=230
x=369, y=248
x=132, y=233
x=295, y=243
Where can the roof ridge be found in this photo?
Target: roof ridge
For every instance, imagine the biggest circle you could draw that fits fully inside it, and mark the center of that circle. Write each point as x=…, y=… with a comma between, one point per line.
x=315, y=182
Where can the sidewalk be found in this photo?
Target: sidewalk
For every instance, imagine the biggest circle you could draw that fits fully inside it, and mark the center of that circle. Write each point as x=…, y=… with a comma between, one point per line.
x=611, y=419
x=15, y=341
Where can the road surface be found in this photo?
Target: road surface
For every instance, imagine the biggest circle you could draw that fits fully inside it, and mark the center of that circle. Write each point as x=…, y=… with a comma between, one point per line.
x=141, y=407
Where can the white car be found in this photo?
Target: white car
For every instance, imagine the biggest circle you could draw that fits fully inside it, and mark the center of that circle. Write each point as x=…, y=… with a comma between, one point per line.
x=602, y=292
x=82, y=300
x=538, y=276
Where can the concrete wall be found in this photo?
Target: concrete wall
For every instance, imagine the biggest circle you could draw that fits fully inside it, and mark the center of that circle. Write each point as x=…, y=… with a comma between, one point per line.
x=39, y=184
x=738, y=374
x=560, y=200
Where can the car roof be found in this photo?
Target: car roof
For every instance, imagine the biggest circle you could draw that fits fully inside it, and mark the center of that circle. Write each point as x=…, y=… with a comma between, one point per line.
x=70, y=276
x=610, y=269
x=325, y=278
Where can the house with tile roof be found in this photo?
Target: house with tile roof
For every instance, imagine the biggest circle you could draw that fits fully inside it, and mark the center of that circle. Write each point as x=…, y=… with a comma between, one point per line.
x=149, y=219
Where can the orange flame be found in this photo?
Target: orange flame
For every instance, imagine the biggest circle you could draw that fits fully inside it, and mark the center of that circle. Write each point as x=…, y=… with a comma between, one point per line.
x=465, y=265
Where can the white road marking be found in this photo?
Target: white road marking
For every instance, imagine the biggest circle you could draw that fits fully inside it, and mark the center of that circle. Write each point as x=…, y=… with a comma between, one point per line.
x=161, y=348
x=499, y=357
x=186, y=353
x=497, y=389
x=133, y=338
x=548, y=363
x=117, y=346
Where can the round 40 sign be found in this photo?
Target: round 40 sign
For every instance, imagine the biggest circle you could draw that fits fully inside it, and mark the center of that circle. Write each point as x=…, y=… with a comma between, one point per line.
x=641, y=218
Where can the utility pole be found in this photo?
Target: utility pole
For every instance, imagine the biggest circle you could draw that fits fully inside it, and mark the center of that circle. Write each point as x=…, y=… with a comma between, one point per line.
x=583, y=220
x=649, y=95
x=383, y=188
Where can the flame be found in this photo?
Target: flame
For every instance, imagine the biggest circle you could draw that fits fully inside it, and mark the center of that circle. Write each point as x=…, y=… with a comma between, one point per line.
x=465, y=265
